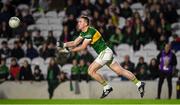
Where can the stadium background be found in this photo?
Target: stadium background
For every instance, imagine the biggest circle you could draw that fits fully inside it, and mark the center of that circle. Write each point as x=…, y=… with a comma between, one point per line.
x=120, y=26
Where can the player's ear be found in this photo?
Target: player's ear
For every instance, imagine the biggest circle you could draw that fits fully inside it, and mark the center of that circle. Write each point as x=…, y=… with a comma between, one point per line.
x=87, y=23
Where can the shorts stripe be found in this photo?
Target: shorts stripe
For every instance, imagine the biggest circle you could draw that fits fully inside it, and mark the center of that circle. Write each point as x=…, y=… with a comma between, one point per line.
x=102, y=55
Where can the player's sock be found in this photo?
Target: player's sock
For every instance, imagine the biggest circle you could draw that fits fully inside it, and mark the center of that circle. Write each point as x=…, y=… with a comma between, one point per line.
x=107, y=87
x=140, y=85
x=137, y=82
x=104, y=83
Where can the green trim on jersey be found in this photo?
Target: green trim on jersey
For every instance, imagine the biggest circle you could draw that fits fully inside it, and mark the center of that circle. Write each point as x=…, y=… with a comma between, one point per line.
x=97, y=42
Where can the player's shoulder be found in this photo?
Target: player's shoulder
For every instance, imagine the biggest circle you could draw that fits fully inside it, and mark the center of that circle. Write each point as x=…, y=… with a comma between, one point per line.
x=90, y=32
x=92, y=29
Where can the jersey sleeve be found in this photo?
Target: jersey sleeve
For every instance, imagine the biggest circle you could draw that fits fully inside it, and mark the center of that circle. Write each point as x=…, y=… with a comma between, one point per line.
x=89, y=34
x=86, y=35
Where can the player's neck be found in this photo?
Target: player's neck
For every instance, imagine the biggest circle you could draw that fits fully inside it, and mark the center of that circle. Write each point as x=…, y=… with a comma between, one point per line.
x=85, y=29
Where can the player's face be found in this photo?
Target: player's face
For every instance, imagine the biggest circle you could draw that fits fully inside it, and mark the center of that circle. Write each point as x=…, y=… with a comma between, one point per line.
x=81, y=23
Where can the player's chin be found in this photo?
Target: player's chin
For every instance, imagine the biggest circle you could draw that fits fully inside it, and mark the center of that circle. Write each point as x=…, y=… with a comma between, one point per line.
x=79, y=28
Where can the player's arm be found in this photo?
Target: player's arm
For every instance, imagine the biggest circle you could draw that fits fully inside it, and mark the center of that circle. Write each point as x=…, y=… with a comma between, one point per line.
x=73, y=43
x=69, y=44
x=83, y=46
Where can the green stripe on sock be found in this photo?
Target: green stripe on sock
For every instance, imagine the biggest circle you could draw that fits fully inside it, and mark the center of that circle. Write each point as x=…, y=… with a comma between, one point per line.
x=135, y=80
x=104, y=83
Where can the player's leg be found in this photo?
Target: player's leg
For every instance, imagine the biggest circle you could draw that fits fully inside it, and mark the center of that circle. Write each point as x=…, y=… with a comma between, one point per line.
x=92, y=71
x=121, y=71
x=115, y=66
x=104, y=57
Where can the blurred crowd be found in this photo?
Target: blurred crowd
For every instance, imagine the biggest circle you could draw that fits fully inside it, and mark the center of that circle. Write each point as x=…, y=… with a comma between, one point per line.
x=118, y=23
x=115, y=19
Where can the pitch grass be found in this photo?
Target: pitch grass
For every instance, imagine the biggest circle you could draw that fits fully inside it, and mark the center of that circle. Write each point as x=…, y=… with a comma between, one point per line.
x=88, y=101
